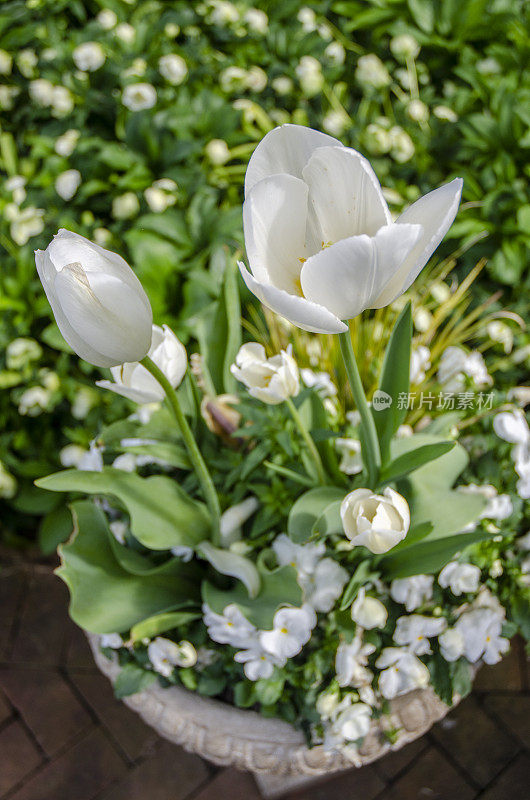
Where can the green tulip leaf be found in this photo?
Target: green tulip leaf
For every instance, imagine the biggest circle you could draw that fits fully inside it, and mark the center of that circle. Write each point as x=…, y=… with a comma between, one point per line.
x=427, y=557
x=307, y=510
x=413, y=460
x=160, y=623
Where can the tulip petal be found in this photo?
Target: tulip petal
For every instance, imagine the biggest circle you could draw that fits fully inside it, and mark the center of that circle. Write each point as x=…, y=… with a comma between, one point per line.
x=228, y=563
x=274, y=221
x=301, y=312
x=136, y=395
x=435, y=211
x=346, y=276
x=285, y=149
x=345, y=195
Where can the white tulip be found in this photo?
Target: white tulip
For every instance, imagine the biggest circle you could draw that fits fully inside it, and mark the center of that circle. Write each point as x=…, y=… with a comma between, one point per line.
x=89, y=56
x=459, y=578
x=416, y=630
x=98, y=302
x=139, y=96
x=271, y=380
x=173, y=68
x=412, y=592
x=132, y=380
x=320, y=240
x=375, y=521
x=368, y=612
x=67, y=183
x=402, y=672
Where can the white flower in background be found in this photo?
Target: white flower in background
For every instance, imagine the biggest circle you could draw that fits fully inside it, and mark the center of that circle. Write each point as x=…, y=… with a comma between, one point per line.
x=16, y=185
x=85, y=399
x=119, y=530
x=422, y=319
x=440, y=291
x=445, y=114
x=520, y=394
x=257, y=20
x=500, y=332
x=217, y=151
x=33, y=401
x=368, y=612
x=498, y=507
x=165, y=655
x=350, y=722
x=183, y=552
x=98, y=302
x=401, y=672
x=89, y=56
x=291, y=631
x=412, y=592
x=512, y=427
x=258, y=663
x=6, y=62
x=41, y=92
x=320, y=381
x=496, y=569
x=336, y=122
x=232, y=79
x=282, y=85
x=327, y=703
x=107, y=19
x=233, y=519
x=8, y=483
x=161, y=195
x=351, y=662
x=71, y=455
x=420, y=361
x=404, y=431
x=371, y=73
x=377, y=138
x=309, y=73
x=402, y=149
x=350, y=449
x=26, y=223
x=223, y=13
x=7, y=96
x=323, y=587
x=230, y=627
x=404, y=47
x=126, y=33
x=481, y=630
x=256, y=79
x=459, y=578
x=317, y=255
x=67, y=183
x=452, y=644
x=125, y=206
x=488, y=66
x=415, y=631
x=27, y=60
x=418, y=111
x=21, y=352
x=132, y=380
x=271, y=380
x=307, y=17
x=455, y=362
x=112, y=641
x=126, y=462
x=375, y=521
x=335, y=52
x=173, y=68
x=62, y=102
x=303, y=557
x=139, y=96
x=67, y=142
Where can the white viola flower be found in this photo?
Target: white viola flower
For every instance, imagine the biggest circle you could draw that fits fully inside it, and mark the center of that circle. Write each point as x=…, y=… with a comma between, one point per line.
x=134, y=381
x=401, y=672
x=233, y=519
x=371, y=73
x=92, y=460
x=377, y=522
x=520, y=394
x=27, y=223
x=67, y=183
x=452, y=644
x=139, y=96
x=8, y=483
x=309, y=73
x=404, y=47
x=303, y=557
x=111, y=640
x=217, y=151
x=323, y=587
x=351, y=462
x=258, y=663
x=320, y=381
x=351, y=721
x=16, y=185
x=498, y=506
x=327, y=703
x=231, y=627
x=512, y=427
x=415, y=631
x=33, y=401
x=320, y=239
x=481, y=629
x=107, y=19
x=71, y=455
x=455, y=362
x=66, y=143
x=291, y=631
x=368, y=612
x=459, y=578
x=173, y=68
x=420, y=361
x=89, y=56
x=125, y=206
x=22, y=351
x=165, y=655
x=125, y=32
x=257, y=20
x=98, y=302
x=271, y=380
x=351, y=662
x=412, y=592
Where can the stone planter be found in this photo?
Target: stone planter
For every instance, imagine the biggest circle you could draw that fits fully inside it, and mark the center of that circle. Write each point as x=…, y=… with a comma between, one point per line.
x=271, y=748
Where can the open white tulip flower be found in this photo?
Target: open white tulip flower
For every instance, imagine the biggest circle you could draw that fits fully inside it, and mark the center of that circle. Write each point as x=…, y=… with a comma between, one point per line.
x=98, y=302
x=320, y=240
x=271, y=380
x=375, y=521
x=133, y=381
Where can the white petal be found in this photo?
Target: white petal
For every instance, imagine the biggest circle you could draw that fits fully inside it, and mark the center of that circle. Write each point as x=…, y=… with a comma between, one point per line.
x=228, y=563
x=136, y=395
x=285, y=149
x=274, y=221
x=301, y=312
x=435, y=211
x=348, y=275
x=345, y=195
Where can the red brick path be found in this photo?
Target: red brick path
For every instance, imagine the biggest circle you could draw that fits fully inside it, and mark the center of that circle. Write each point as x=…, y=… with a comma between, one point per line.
x=64, y=737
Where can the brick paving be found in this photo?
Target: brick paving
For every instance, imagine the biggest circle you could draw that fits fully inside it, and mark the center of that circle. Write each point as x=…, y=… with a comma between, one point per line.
x=63, y=736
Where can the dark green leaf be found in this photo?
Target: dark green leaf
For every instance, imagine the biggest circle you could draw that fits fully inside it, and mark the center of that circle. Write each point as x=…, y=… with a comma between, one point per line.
x=413, y=459
x=132, y=679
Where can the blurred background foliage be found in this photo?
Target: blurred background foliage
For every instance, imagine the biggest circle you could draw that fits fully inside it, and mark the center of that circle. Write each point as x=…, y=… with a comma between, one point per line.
x=427, y=89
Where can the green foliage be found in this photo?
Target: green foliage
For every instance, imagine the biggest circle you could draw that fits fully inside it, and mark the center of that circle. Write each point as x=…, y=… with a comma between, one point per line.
x=132, y=679
x=308, y=512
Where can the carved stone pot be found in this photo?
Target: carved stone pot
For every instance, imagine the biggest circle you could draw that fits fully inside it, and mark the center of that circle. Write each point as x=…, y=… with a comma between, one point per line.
x=270, y=748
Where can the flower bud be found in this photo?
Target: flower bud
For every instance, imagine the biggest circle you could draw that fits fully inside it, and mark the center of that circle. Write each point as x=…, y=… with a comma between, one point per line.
x=375, y=521
x=368, y=612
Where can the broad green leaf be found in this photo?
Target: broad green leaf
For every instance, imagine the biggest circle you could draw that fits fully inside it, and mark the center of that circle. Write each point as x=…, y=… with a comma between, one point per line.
x=54, y=529
x=160, y=623
x=278, y=587
x=167, y=452
x=104, y=597
x=362, y=575
x=232, y=564
x=427, y=557
x=308, y=509
x=413, y=459
x=162, y=514
x=132, y=679
x=447, y=468
x=394, y=381
x=329, y=521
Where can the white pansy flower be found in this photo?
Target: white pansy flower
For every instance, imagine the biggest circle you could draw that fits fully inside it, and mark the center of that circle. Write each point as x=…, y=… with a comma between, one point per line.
x=125, y=32
x=371, y=73
x=282, y=85
x=368, y=612
x=71, y=455
x=161, y=195
x=520, y=394
x=258, y=663
x=125, y=206
x=173, y=68
x=452, y=644
x=111, y=640
x=98, y=302
x=66, y=143
x=420, y=361
x=271, y=380
x=415, y=631
x=327, y=703
x=230, y=627
x=324, y=585
x=89, y=56
x=107, y=19
x=412, y=592
x=498, y=506
x=375, y=521
x=183, y=552
x=233, y=519
x=350, y=449
x=303, y=557
x=217, y=151
x=291, y=631
x=8, y=483
x=351, y=721
x=165, y=655
x=317, y=257
x=92, y=459
x=320, y=381
x=67, y=183
x=257, y=20
x=16, y=185
x=351, y=662
x=139, y=96
x=481, y=629
x=33, y=401
x=404, y=47
x=134, y=381
x=21, y=352
x=309, y=73
x=459, y=578
x=401, y=672
x=512, y=427
x=26, y=224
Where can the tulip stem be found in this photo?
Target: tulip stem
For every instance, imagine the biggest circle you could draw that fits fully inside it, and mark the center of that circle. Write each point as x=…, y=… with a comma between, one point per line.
x=306, y=436
x=201, y=470
x=371, y=442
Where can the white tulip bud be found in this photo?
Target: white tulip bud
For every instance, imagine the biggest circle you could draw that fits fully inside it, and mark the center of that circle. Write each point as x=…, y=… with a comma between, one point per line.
x=133, y=381
x=98, y=302
x=375, y=521
x=271, y=380
x=368, y=612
